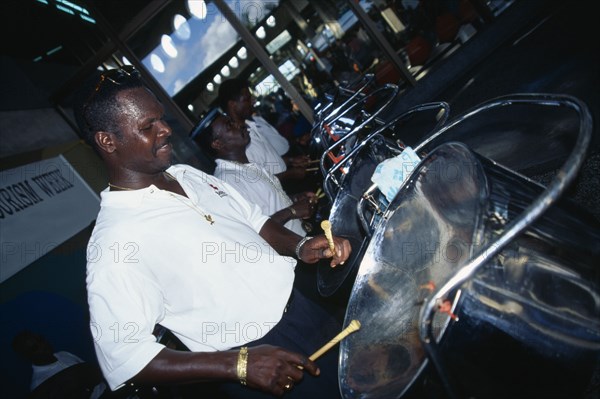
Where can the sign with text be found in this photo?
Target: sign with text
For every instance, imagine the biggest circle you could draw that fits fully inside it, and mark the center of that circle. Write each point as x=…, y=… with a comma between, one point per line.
x=42, y=205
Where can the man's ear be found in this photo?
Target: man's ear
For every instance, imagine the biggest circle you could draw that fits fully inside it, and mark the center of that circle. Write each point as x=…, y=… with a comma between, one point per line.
x=105, y=141
x=216, y=144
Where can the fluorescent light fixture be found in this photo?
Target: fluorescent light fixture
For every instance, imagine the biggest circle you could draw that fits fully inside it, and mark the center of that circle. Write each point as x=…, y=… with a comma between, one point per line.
x=278, y=42
x=65, y=9
x=73, y=6
x=54, y=50
x=86, y=18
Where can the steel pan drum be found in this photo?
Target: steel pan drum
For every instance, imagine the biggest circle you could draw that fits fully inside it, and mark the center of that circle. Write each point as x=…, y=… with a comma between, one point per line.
x=349, y=186
x=530, y=133
x=343, y=217
x=525, y=322
x=345, y=95
x=350, y=120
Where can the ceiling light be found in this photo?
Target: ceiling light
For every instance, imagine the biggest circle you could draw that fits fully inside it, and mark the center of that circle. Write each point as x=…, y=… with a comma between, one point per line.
x=260, y=32
x=168, y=46
x=233, y=62
x=181, y=27
x=197, y=8
x=242, y=53
x=210, y=86
x=271, y=22
x=217, y=79
x=157, y=63
x=225, y=71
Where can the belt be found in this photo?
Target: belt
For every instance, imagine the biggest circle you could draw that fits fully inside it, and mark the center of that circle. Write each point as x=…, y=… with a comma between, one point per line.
x=289, y=302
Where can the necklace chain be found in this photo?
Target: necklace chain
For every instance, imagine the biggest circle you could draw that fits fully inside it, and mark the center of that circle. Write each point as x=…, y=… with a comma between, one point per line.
x=119, y=187
x=206, y=216
x=169, y=176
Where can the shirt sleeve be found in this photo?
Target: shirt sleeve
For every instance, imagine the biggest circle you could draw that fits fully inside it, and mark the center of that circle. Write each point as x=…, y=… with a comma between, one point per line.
x=124, y=309
x=272, y=135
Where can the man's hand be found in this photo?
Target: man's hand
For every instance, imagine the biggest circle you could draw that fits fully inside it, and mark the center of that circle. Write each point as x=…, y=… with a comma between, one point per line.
x=276, y=370
x=303, y=209
x=305, y=195
x=300, y=161
x=318, y=248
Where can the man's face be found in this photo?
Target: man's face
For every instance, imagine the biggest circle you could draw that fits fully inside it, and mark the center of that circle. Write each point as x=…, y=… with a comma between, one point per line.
x=145, y=142
x=229, y=134
x=243, y=106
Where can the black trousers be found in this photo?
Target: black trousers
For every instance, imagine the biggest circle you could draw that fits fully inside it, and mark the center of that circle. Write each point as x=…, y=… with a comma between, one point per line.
x=304, y=328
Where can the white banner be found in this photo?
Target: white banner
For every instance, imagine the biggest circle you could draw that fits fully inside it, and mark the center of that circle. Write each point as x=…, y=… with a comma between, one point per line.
x=42, y=204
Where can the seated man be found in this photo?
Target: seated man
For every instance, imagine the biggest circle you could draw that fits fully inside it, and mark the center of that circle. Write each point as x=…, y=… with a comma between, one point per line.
x=57, y=374
x=175, y=246
x=267, y=147
x=227, y=141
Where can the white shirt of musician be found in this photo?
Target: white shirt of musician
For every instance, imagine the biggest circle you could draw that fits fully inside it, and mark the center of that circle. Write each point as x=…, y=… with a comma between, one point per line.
x=156, y=257
x=258, y=186
x=266, y=146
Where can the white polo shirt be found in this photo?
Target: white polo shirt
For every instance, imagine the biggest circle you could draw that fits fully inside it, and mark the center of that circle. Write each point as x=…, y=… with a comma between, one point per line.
x=258, y=186
x=153, y=257
x=266, y=146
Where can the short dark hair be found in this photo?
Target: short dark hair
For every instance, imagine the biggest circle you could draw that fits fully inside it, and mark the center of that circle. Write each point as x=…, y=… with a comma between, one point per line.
x=95, y=106
x=24, y=342
x=203, y=134
x=230, y=89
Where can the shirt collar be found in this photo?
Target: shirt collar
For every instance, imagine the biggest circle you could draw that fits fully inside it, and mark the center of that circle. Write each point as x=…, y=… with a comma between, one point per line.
x=134, y=198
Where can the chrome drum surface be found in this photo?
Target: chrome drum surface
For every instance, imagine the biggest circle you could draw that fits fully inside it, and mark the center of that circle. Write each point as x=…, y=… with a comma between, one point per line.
x=531, y=314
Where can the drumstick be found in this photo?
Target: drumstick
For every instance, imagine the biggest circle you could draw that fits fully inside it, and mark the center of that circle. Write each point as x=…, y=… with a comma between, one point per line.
x=353, y=326
x=311, y=169
x=314, y=161
x=326, y=226
x=318, y=192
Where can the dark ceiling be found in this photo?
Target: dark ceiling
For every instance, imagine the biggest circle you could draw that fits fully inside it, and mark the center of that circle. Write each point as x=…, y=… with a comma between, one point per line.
x=37, y=27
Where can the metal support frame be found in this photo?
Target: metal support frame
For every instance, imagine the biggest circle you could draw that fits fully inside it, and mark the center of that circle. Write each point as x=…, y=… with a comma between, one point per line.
x=259, y=52
x=381, y=41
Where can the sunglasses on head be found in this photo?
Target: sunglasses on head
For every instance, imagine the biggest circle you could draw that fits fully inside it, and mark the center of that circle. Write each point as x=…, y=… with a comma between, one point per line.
x=118, y=76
